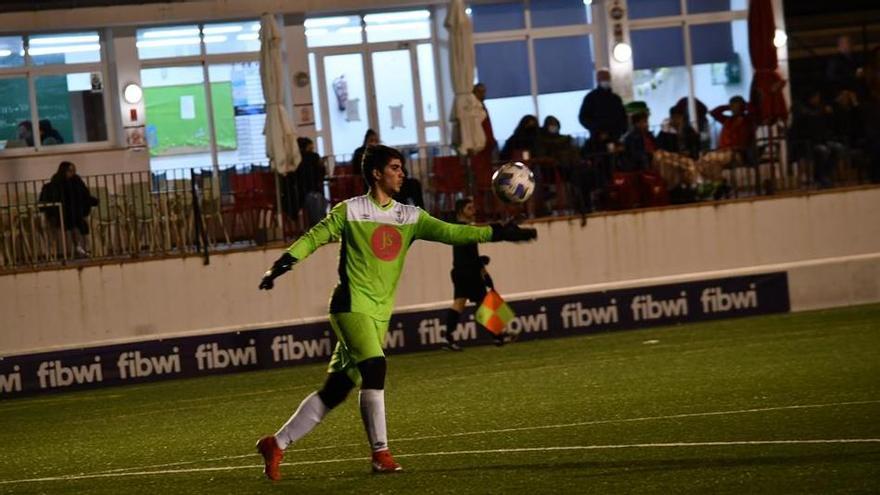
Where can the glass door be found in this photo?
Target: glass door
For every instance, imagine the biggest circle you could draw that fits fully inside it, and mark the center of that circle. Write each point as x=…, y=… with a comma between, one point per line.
x=395, y=97
x=389, y=87
x=345, y=103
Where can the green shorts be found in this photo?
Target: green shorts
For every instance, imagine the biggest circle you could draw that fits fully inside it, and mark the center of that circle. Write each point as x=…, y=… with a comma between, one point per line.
x=360, y=338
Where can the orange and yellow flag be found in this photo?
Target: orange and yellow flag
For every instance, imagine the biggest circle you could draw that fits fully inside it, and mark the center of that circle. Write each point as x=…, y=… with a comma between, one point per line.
x=494, y=313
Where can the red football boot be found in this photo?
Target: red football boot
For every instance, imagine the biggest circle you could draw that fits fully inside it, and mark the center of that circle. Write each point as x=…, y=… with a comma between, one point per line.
x=272, y=455
x=383, y=462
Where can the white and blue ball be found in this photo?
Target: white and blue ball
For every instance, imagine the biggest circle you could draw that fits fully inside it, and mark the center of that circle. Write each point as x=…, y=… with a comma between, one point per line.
x=513, y=183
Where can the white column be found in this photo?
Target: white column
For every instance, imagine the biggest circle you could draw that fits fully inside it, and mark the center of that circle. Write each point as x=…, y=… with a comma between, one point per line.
x=621, y=72
x=124, y=68
x=298, y=78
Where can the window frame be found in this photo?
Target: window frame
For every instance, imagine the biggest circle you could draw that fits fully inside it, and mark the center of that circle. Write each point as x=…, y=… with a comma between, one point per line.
x=367, y=49
x=685, y=20
x=205, y=60
x=30, y=72
x=529, y=34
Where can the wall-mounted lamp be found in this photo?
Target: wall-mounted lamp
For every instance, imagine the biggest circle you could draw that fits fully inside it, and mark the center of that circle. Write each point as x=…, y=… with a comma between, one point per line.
x=132, y=93
x=622, y=52
x=780, y=39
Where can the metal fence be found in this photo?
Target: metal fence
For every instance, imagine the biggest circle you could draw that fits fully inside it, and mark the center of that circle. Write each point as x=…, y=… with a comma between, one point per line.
x=195, y=211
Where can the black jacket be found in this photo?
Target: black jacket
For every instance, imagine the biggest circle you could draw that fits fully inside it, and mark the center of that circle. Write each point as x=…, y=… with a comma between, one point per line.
x=686, y=142
x=635, y=156
x=603, y=111
x=75, y=199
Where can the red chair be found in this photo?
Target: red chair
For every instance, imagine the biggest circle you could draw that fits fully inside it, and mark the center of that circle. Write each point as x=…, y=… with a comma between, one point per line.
x=344, y=184
x=653, y=190
x=447, y=180
x=623, y=192
x=484, y=199
x=253, y=197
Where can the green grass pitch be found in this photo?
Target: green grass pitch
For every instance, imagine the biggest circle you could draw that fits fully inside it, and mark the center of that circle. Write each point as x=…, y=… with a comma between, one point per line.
x=780, y=404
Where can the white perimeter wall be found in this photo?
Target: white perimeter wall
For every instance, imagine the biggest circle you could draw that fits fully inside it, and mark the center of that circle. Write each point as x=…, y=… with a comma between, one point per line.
x=829, y=243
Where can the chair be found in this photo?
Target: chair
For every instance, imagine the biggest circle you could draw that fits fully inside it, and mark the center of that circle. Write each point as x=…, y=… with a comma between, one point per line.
x=109, y=231
x=344, y=184
x=447, y=181
x=212, y=211
x=140, y=213
x=253, y=195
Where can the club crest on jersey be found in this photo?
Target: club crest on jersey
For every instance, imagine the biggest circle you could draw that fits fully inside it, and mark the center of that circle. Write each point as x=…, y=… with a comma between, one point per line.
x=398, y=215
x=386, y=242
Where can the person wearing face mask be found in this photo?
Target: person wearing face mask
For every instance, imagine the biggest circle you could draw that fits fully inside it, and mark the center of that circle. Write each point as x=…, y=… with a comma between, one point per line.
x=523, y=139
x=602, y=113
x=556, y=156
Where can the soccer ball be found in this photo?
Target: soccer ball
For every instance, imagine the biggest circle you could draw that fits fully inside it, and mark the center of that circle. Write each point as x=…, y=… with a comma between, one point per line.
x=513, y=183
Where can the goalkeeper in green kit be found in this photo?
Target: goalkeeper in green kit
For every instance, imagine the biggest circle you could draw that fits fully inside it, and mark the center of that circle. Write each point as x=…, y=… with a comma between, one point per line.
x=375, y=233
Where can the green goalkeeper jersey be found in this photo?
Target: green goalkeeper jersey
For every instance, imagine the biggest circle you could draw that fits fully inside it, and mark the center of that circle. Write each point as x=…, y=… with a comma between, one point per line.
x=375, y=240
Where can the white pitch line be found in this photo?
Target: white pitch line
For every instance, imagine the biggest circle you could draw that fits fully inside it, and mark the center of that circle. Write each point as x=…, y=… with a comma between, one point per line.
x=734, y=443
x=528, y=428
x=644, y=418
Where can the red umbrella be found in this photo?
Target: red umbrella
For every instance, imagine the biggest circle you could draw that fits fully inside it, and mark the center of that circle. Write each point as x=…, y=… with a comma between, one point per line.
x=766, y=96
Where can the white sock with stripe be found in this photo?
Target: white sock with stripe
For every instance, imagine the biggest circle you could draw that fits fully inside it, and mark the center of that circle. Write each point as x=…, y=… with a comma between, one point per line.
x=309, y=413
x=372, y=404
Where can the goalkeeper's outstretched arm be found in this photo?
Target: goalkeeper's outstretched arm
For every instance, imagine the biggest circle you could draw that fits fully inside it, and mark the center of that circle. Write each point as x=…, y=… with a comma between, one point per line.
x=432, y=229
x=327, y=230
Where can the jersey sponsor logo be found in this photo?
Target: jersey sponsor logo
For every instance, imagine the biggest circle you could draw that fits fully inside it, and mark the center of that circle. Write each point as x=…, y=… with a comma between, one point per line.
x=386, y=242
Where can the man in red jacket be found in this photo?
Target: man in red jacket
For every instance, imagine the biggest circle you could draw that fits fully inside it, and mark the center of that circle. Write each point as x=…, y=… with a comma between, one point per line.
x=738, y=128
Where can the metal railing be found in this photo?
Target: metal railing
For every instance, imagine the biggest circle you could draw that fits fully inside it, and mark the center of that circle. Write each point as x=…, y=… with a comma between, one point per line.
x=195, y=211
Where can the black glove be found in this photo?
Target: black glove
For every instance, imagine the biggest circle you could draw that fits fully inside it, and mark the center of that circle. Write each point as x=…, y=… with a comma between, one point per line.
x=512, y=232
x=281, y=266
x=484, y=260
x=487, y=279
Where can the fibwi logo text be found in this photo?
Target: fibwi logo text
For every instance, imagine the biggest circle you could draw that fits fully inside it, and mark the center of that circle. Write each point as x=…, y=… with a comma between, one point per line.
x=395, y=339
x=575, y=315
x=529, y=323
x=715, y=300
x=644, y=307
x=431, y=331
x=288, y=348
x=11, y=382
x=134, y=365
x=211, y=356
x=52, y=374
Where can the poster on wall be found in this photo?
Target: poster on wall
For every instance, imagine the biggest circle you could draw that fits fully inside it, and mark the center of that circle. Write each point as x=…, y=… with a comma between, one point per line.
x=135, y=137
x=304, y=114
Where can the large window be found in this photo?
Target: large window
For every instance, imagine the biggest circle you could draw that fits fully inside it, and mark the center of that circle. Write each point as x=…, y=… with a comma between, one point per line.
x=64, y=74
x=377, y=71
x=213, y=107
x=535, y=57
x=671, y=55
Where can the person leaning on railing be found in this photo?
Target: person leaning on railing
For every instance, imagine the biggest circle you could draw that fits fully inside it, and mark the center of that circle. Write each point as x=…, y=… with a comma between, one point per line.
x=68, y=188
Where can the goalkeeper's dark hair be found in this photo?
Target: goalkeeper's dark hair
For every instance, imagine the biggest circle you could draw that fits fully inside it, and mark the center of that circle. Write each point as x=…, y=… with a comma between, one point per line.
x=461, y=203
x=376, y=157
